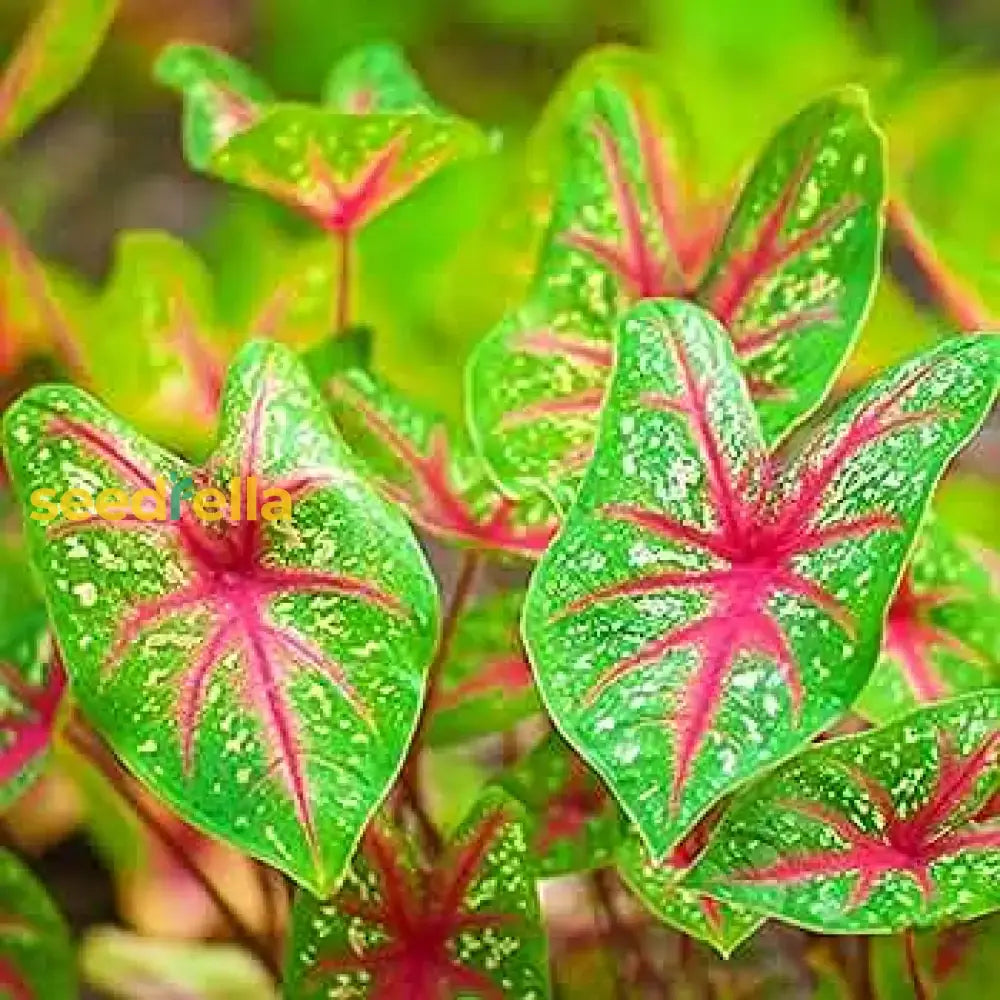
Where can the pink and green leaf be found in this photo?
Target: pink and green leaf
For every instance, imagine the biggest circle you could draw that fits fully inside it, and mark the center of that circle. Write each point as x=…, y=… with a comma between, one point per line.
x=576, y=824
x=36, y=955
x=486, y=684
x=891, y=829
x=942, y=633
x=468, y=927
x=659, y=885
x=708, y=608
x=377, y=79
x=263, y=678
x=430, y=469
x=222, y=97
x=53, y=56
x=788, y=271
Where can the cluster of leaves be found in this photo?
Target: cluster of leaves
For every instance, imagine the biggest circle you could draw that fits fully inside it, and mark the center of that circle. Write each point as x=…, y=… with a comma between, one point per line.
x=718, y=580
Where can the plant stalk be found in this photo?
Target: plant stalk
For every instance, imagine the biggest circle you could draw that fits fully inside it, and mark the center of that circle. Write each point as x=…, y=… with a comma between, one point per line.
x=345, y=248
x=920, y=989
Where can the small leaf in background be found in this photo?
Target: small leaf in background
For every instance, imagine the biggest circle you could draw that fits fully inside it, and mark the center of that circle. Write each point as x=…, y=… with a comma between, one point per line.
x=32, y=683
x=262, y=677
x=36, y=955
x=789, y=271
x=708, y=608
x=222, y=97
x=875, y=833
x=942, y=632
x=431, y=470
x=396, y=929
x=660, y=887
x=130, y=967
x=486, y=684
x=377, y=79
x=576, y=825
x=53, y=56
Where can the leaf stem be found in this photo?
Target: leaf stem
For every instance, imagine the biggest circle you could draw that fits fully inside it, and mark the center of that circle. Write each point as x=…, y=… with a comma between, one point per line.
x=344, y=240
x=920, y=990
x=93, y=749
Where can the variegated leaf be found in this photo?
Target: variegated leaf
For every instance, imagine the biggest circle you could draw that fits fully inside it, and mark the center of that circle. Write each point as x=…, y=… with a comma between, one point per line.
x=468, y=927
x=36, y=956
x=377, y=79
x=707, y=609
x=894, y=828
x=576, y=824
x=942, y=632
x=486, y=684
x=262, y=677
x=429, y=468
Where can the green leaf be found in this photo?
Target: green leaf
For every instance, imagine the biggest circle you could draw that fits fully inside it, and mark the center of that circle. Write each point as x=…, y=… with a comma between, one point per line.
x=942, y=634
x=789, y=275
x=377, y=79
x=431, y=470
x=708, y=608
x=660, y=887
x=221, y=97
x=875, y=833
x=51, y=59
x=576, y=824
x=486, y=683
x=262, y=677
x=396, y=929
x=36, y=957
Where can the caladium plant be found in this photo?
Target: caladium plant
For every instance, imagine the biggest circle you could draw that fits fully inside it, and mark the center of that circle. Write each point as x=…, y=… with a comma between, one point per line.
x=468, y=927
x=788, y=269
x=237, y=654
x=707, y=609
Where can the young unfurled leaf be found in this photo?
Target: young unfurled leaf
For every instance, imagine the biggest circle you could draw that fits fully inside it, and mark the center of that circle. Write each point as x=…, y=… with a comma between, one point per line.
x=660, y=887
x=706, y=610
x=486, y=683
x=432, y=471
x=577, y=825
x=894, y=828
x=261, y=676
x=32, y=683
x=789, y=275
x=52, y=57
x=36, y=957
x=377, y=79
x=942, y=632
x=222, y=97
x=470, y=927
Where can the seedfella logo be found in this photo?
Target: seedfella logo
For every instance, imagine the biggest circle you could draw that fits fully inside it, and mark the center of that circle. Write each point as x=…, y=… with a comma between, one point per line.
x=244, y=502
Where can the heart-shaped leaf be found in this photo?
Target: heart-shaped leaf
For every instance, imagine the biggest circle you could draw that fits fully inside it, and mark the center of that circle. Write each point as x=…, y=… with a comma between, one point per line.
x=895, y=828
x=577, y=825
x=942, y=633
x=469, y=927
x=486, y=684
x=36, y=957
x=430, y=469
x=377, y=79
x=660, y=887
x=706, y=609
x=790, y=278
x=51, y=59
x=261, y=676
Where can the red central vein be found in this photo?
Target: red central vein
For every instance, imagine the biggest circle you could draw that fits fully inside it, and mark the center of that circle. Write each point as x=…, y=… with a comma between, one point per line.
x=27, y=727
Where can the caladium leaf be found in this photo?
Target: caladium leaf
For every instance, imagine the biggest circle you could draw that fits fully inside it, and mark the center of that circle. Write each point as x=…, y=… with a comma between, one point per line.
x=222, y=96
x=51, y=59
x=36, y=957
x=706, y=610
x=942, y=632
x=262, y=677
x=790, y=278
x=430, y=469
x=377, y=79
x=660, y=887
x=486, y=684
x=894, y=828
x=470, y=927
x=577, y=826
x=32, y=683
